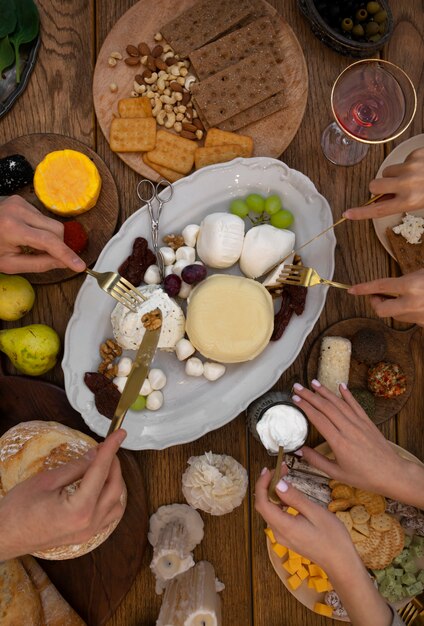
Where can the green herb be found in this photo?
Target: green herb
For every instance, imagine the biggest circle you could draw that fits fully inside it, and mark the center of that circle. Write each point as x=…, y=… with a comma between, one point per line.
x=8, y=17
x=7, y=56
x=27, y=27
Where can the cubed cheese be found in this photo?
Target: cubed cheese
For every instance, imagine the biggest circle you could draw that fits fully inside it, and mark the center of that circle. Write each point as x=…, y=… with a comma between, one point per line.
x=323, y=609
x=279, y=549
x=294, y=581
x=302, y=573
x=270, y=535
x=292, y=565
x=292, y=511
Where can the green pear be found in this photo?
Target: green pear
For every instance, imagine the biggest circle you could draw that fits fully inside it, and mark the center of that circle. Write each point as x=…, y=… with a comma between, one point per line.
x=16, y=297
x=32, y=349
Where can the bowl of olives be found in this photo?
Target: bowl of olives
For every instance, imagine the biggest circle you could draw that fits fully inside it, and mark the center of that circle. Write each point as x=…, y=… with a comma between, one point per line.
x=351, y=27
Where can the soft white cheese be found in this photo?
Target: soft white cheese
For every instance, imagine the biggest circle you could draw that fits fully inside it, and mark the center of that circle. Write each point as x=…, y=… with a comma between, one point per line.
x=282, y=425
x=263, y=246
x=411, y=228
x=220, y=239
x=128, y=329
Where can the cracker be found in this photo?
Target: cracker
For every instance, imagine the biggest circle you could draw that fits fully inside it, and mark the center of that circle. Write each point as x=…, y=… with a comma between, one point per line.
x=174, y=152
x=341, y=504
x=369, y=545
x=356, y=537
x=410, y=256
x=215, y=154
x=359, y=514
x=216, y=137
x=132, y=134
x=390, y=545
x=238, y=87
x=333, y=483
x=256, y=112
x=135, y=107
x=168, y=174
x=345, y=518
x=362, y=528
x=373, y=502
x=342, y=491
x=203, y=22
x=234, y=47
x=381, y=522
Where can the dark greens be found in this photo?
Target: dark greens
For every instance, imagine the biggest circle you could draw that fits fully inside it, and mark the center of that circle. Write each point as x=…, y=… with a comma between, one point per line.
x=19, y=24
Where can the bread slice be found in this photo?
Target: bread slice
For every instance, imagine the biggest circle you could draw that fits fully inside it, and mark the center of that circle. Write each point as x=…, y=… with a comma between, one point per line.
x=410, y=256
x=19, y=599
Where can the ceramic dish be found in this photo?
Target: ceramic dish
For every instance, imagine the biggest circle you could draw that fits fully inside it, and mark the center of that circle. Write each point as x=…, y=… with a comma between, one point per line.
x=398, y=155
x=9, y=89
x=195, y=406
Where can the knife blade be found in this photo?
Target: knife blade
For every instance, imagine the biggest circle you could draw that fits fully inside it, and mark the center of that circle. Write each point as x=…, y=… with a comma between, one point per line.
x=138, y=374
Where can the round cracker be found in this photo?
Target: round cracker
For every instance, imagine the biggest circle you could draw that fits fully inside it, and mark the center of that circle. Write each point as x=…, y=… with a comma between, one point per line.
x=381, y=522
x=359, y=514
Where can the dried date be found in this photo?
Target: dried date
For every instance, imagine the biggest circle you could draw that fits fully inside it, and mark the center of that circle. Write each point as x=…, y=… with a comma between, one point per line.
x=106, y=393
x=135, y=266
x=297, y=298
x=282, y=317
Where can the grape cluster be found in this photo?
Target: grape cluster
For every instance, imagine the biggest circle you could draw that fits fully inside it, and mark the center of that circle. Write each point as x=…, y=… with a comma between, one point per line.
x=264, y=210
x=365, y=22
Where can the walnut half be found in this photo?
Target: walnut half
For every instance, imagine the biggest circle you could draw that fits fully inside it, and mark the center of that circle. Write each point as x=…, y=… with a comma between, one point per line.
x=174, y=241
x=152, y=320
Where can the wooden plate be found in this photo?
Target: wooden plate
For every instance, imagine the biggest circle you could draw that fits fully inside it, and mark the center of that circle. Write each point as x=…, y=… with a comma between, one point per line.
x=94, y=584
x=99, y=222
x=398, y=351
x=271, y=135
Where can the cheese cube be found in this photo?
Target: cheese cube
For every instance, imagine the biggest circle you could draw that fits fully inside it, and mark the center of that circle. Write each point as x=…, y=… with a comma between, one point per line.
x=320, y=584
x=292, y=511
x=270, y=535
x=323, y=609
x=305, y=561
x=315, y=570
x=311, y=583
x=329, y=586
x=279, y=550
x=302, y=573
x=321, y=572
x=293, y=554
x=294, y=581
x=292, y=565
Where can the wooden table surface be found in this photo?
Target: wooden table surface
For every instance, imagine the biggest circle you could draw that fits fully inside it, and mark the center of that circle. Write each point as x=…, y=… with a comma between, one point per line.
x=58, y=99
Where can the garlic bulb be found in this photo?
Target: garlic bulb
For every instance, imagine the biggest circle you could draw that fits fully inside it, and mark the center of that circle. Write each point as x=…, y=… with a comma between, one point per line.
x=214, y=483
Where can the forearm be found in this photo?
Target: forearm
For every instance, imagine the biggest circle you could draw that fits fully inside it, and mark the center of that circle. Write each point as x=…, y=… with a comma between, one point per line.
x=406, y=484
x=9, y=542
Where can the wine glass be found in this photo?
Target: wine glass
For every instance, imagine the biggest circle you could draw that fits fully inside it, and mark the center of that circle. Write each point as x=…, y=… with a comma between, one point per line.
x=373, y=101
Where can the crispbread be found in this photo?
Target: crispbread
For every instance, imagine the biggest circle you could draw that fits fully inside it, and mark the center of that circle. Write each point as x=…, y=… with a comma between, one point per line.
x=215, y=154
x=373, y=502
x=174, y=152
x=170, y=175
x=238, y=87
x=381, y=522
x=410, y=256
x=237, y=45
x=135, y=107
x=254, y=113
x=203, y=22
x=345, y=518
x=362, y=528
x=217, y=137
x=132, y=134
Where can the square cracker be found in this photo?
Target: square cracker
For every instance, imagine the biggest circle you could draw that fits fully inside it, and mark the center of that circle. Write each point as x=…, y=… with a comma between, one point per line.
x=238, y=87
x=137, y=134
x=135, y=107
x=215, y=154
x=256, y=112
x=410, y=256
x=168, y=174
x=217, y=137
x=173, y=152
x=202, y=22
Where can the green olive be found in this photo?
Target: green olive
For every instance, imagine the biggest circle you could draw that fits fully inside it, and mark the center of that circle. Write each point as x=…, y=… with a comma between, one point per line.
x=358, y=30
x=374, y=38
x=347, y=24
x=380, y=17
x=383, y=28
x=361, y=15
x=373, y=8
x=371, y=28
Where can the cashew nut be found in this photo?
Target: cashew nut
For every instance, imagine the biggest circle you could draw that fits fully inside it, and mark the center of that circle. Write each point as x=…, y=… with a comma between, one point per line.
x=160, y=118
x=199, y=134
x=170, y=120
x=157, y=107
x=167, y=55
x=168, y=99
x=190, y=79
x=150, y=93
x=158, y=37
x=162, y=73
x=112, y=61
x=180, y=80
x=181, y=108
x=153, y=78
x=179, y=117
x=178, y=96
x=178, y=126
x=134, y=94
x=116, y=55
x=174, y=70
x=167, y=92
x=139, y=88
x=183, y=71
x=169, y=108
x=161, y=84
x=167, y=48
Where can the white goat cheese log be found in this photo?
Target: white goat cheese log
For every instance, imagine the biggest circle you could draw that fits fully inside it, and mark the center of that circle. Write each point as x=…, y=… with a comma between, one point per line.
x=334, y=362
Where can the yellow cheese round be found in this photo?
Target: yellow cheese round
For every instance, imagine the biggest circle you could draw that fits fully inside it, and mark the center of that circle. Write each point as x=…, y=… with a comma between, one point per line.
x=67, y=182
x=230, y=319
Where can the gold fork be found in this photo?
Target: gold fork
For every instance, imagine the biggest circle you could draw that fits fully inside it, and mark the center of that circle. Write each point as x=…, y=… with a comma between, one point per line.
x=119, y=288
x=301, y=276
x=413, y=610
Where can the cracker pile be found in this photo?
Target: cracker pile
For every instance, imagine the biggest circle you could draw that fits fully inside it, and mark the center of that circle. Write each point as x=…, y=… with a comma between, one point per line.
x=377, y=536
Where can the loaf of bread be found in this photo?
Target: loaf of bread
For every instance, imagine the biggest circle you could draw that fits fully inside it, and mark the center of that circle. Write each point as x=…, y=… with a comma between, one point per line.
x=32, y=447
x=20, y=604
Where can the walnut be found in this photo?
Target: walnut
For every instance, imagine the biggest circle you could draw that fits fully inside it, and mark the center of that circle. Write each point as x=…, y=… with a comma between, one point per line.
x=108, y=369
x=109, y=350
x=174, y=241
x=152, y=320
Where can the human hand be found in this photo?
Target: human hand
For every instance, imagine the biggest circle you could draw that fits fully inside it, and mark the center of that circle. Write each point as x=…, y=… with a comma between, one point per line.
x=22, y=225
x=407, y=307
x=405, y=181
x=39, y=513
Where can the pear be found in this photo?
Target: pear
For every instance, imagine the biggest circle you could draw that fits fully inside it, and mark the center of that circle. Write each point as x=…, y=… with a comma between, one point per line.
x=16, y=297
x=32, y=349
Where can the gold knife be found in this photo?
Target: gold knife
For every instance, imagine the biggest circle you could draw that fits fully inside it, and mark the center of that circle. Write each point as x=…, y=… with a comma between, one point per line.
x=140, y=368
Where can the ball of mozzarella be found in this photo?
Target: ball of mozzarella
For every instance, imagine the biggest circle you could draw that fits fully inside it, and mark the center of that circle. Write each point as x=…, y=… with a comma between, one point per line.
x=190, y=233
x=154, y=400
x=120, y=382
x=124, y=366
x=168, y=255
x=169, y=269
x=186, y=253
x=178, y=267
x=183, y=349
x=146, y=388
x=185, y=290
x=157, y=379
x=152, y=275
x=194, y=367
x=213, y=371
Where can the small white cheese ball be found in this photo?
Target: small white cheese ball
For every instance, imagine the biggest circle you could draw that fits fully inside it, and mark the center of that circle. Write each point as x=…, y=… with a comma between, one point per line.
x=213, y=371
x=190, y=233
x=154, y=400
x=194, y=367
x=185, y=290
x=178, y=267
x=168, y=255
x=124, y=366
x=146, y=388
x=186, y=253
x=120, y=382
x=157, y=378
x=169, y=269
x=152, y=275
x=183, y=349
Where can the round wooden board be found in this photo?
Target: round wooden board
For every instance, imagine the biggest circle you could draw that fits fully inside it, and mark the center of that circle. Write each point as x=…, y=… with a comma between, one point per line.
x=99, y=222
x=271, y=135
x=398, y=351
x=94, y=584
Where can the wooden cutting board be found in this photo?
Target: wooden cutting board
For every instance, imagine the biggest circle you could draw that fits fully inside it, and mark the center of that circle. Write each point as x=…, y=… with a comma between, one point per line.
x=99, y=222
x=94, y=584
x=271, y=135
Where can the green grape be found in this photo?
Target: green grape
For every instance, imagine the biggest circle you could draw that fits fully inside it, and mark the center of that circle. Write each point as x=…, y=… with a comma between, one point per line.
x=139, y=404
x=256, y=203
x=273, y=204
x=282, y=219
x=239, y=207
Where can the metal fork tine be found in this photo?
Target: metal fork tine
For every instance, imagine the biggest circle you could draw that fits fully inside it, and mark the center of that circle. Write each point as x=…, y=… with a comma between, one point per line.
x=132, y=294
x=127, y=283
x=126, y=295
x=123, y=301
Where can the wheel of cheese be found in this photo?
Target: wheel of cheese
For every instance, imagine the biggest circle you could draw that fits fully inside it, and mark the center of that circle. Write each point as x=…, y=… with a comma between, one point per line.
x=32, y=447
x=230, y=319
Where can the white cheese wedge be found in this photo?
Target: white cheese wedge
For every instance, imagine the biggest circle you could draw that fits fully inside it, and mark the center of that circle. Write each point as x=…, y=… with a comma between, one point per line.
x=220, y=239
x=128, y=329
x=230, y=319
x=272, y=277
x=263, y=247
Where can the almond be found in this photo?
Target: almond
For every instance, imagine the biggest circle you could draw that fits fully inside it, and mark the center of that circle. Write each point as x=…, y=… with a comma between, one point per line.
x=170, y=61
x=132, y=51
x=187, y=134
x=190, y=127
x=161, y=65
x=198, y=124
x=143, y=49
x=151, y=63
x=146, y=74
x=132, y=61
x=139, y=79
x=157, y=51
x=186, y=98
x=176, y=87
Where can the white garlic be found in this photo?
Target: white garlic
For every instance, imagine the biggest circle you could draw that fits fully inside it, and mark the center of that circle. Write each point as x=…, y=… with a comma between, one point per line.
x=194, y=367
x=186, y=253
x=169, y=269
x=157, y=378
x=124, y=366
x=178, y=267
x=168, y=255
x=213, y=371
x=190, y=233
x=120, y=382
x=185, y=290
x=146, y=388
x=183, y=349
x=154, y=400
x=152, y=275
